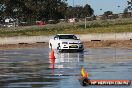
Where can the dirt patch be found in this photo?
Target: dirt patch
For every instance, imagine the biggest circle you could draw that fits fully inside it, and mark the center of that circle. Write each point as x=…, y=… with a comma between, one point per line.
x=87, y=44
x=109, y=43
x=24, y=45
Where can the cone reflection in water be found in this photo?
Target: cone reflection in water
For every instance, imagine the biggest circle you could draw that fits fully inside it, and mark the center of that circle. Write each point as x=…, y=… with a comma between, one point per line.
x=52, y=59
x=52, y=56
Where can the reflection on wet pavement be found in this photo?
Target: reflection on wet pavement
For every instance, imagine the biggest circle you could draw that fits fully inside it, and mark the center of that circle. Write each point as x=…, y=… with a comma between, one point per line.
x=32, y=68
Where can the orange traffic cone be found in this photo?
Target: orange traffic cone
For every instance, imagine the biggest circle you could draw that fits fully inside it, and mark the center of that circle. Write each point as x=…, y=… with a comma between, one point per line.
x=84, y=80
x=84, y=74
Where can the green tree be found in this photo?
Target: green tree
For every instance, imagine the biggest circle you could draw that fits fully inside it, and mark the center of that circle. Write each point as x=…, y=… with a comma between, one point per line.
x=37, y=9
x=79, y=11
x=88, y=11
x=31, y=10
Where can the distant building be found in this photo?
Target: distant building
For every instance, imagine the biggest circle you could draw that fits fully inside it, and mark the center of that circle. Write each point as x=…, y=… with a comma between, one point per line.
x=10, y=22
x=113, y=16
x=93, y=17
x=127, y=15
x=100, y=17
x=71, y=20
x=120, y=15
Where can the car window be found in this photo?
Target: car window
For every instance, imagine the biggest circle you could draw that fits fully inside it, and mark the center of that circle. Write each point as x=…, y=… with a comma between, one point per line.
x=68, y=37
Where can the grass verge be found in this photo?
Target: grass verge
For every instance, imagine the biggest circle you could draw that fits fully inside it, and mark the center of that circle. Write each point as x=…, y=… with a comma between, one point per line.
x=104, y=26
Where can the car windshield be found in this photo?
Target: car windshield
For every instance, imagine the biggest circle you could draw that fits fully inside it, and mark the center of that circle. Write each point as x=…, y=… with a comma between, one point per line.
x=68, y=37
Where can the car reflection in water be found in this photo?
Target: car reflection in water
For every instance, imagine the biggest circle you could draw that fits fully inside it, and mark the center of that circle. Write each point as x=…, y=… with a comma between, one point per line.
x=66, y=60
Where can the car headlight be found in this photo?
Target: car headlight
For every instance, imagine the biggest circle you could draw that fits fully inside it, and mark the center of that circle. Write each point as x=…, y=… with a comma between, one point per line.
x=64, y=42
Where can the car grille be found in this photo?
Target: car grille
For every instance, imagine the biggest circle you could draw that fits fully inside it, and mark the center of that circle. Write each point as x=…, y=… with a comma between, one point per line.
x=73, y=46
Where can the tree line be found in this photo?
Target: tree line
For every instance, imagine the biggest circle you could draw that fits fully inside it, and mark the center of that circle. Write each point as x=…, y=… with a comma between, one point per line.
x=42, y=9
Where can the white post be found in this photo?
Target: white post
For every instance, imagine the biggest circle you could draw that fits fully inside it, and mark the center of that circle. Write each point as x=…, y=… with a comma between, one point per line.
x=85, y=23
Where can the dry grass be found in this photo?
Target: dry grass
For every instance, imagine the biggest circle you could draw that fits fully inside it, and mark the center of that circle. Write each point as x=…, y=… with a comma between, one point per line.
x=104, y=26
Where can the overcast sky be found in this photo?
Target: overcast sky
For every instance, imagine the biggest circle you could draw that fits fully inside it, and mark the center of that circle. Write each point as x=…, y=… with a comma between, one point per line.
x=105, y=5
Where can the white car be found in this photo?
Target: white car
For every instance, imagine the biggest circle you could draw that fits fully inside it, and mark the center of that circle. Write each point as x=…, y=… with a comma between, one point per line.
x=63, y=42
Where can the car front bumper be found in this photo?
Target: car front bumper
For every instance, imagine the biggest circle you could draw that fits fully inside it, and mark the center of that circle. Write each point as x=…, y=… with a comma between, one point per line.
x=71, y=47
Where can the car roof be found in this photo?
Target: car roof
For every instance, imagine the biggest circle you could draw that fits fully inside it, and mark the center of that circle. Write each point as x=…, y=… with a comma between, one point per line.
x=65, y=34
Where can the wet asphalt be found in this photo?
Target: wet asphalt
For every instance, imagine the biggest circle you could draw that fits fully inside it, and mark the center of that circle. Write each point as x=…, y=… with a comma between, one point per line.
x=32, y=68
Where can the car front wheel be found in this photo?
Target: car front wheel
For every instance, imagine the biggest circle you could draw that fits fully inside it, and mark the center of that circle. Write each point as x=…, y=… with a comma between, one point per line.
x=50, y=46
